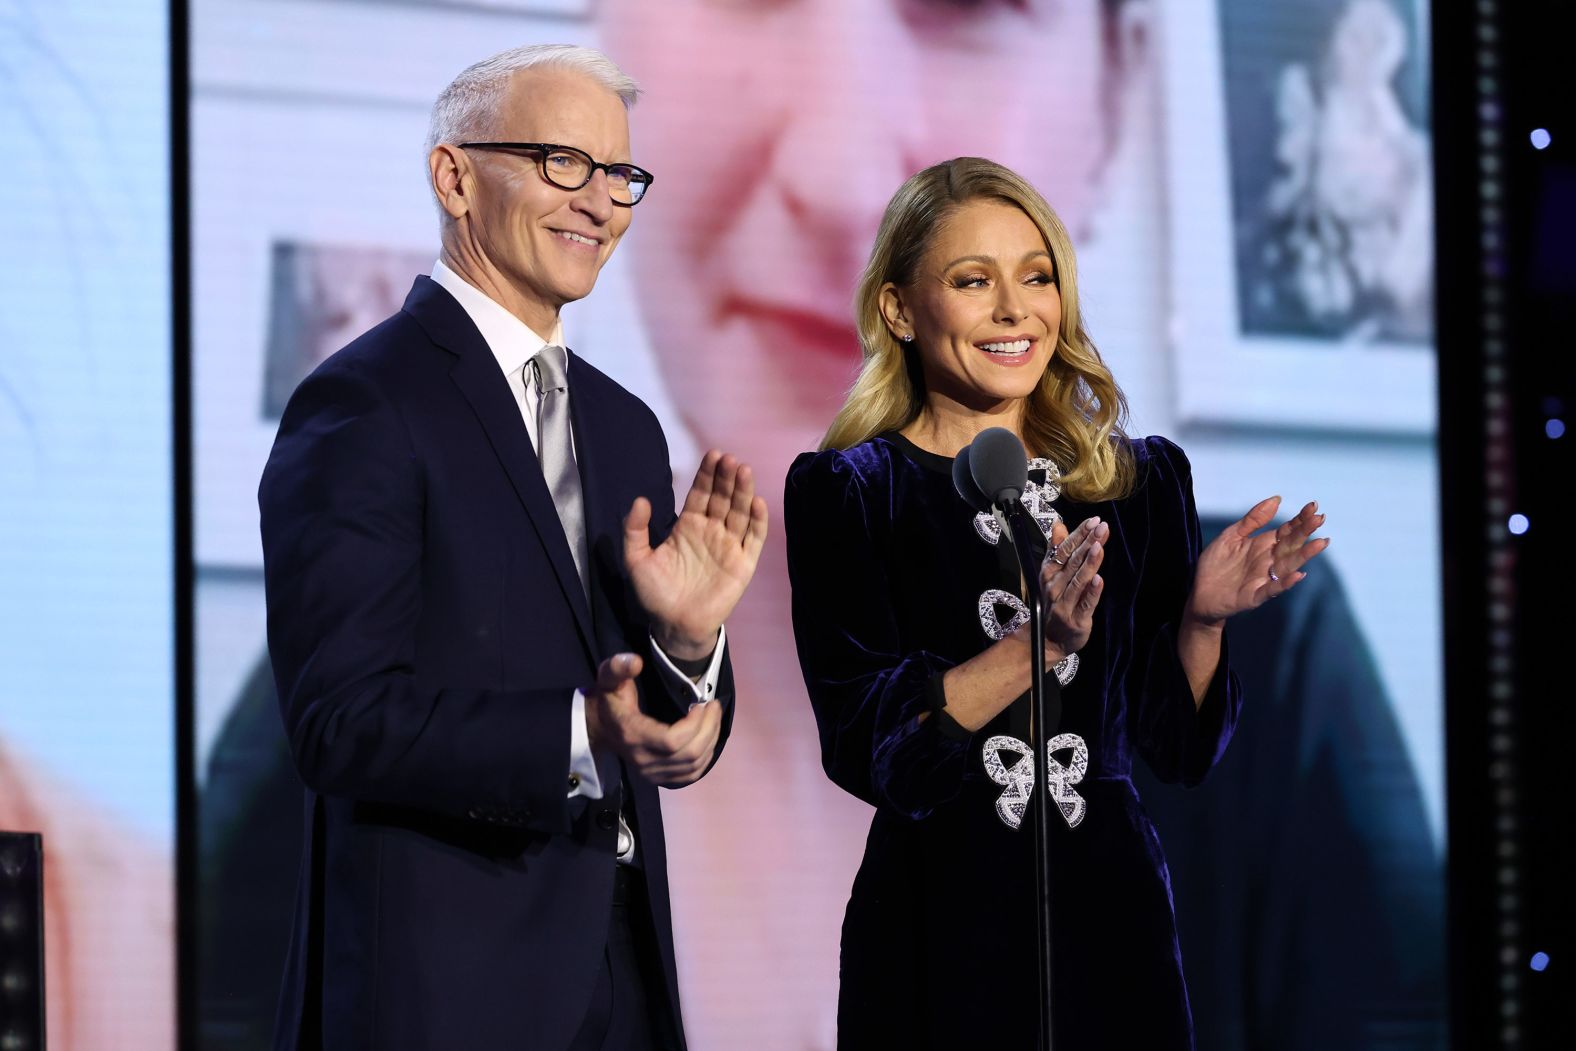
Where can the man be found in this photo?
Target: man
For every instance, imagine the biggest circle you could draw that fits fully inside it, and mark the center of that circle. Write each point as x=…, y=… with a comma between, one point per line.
x=484, y=665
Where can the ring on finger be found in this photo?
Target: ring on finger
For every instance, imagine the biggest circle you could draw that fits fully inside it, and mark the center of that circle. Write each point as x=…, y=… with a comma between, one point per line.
x=1274, y=577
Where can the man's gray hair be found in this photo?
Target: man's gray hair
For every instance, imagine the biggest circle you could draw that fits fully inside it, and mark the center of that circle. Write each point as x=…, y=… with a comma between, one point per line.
x=467, y=110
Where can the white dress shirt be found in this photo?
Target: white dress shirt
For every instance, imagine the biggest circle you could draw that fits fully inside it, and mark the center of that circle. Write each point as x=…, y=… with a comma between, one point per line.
x=514, y=344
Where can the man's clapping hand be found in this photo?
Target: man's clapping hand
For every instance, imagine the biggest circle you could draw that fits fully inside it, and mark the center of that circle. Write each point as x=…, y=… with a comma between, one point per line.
x=664, y=754
x=690, y=582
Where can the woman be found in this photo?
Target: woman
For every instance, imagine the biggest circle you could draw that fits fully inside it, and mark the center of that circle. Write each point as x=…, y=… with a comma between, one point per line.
x=910, y=625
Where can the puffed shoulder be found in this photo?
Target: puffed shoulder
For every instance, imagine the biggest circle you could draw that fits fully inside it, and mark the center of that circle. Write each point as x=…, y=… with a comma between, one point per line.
x=839, y=470
x=837, y=489
x=1160, y=461
x=1159, y=453
x=1164, y=477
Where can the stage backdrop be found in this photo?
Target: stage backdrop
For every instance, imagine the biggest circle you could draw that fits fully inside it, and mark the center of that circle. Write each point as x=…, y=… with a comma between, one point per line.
x=86, y=537
x=1249, y=185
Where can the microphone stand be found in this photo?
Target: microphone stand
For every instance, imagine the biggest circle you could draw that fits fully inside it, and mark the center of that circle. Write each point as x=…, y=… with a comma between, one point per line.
x=1045, y=714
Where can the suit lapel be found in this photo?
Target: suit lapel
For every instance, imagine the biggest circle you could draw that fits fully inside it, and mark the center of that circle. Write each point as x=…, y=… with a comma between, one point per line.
x=596, y=457
x=476, y=374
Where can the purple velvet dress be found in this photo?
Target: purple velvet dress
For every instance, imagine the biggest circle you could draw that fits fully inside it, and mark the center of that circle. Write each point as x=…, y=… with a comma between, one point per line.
x=895, y=580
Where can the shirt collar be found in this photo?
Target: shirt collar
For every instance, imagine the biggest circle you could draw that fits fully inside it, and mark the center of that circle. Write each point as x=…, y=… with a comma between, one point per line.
x=511, y=340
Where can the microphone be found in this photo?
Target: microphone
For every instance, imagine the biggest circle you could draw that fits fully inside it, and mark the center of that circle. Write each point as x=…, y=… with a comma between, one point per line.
x=998, y=465
x=991, y=475
x=963, y=482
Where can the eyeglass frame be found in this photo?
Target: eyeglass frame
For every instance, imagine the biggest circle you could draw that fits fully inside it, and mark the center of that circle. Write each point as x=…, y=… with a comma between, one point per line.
x=544, y=149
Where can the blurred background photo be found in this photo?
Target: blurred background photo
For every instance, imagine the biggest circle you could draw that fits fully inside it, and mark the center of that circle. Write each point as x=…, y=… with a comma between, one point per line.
x=1253, y=308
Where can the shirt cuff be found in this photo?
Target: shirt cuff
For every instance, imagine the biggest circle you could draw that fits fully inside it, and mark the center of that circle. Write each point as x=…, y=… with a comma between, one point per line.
x=706, y=688
x=583, y=780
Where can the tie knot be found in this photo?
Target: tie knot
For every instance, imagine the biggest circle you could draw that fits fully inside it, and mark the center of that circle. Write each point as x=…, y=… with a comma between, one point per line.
x=552, y=368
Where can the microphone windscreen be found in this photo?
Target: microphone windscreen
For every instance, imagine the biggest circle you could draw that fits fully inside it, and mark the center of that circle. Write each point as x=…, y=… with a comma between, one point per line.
x=999, y=465
x=963, y=482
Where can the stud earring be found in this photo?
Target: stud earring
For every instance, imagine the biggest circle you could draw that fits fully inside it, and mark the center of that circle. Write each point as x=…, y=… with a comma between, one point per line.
x=908, y=337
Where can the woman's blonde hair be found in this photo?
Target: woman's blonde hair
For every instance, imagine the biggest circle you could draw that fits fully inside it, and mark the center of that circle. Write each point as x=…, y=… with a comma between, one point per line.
x=1075, y=415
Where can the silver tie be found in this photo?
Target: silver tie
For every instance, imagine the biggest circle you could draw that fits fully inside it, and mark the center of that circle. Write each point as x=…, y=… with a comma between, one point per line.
x=556, y=451
x=557, y=455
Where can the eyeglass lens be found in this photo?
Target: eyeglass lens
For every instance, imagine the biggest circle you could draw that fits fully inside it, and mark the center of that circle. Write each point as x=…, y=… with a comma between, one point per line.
x=571, y=170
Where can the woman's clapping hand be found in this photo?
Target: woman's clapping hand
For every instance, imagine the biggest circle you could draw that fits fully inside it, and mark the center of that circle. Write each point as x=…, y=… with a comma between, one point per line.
x=1070, y=583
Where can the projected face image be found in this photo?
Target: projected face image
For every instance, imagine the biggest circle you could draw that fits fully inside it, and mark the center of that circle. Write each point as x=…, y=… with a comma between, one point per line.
x=777, y=131
x=765, y=208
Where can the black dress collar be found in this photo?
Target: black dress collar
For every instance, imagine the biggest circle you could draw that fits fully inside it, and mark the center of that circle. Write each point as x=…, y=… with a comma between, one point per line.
x=928, y=460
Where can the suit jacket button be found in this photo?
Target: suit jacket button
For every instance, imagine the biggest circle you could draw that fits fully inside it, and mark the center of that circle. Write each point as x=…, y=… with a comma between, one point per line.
x=474, y=813
x=605, y=820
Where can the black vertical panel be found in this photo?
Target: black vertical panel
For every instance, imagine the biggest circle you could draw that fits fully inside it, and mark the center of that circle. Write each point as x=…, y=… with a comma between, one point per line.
x=21, y=941
x=1462, y=472
x=1540, y=206
x=182, y=516
x=1507, y=307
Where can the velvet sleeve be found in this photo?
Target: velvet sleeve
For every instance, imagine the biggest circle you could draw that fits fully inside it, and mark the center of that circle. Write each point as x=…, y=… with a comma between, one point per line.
x=1179, y=740
x=867, y=693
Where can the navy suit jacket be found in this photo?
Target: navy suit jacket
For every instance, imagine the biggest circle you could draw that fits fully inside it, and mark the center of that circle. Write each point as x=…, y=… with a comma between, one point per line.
x=427, y=630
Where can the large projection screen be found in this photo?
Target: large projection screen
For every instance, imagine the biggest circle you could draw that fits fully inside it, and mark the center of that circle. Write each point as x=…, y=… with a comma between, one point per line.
x=87, y=623
x=1249, y=186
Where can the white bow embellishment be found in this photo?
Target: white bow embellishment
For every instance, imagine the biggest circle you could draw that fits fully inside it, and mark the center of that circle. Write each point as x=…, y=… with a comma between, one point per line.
x=1018, y=779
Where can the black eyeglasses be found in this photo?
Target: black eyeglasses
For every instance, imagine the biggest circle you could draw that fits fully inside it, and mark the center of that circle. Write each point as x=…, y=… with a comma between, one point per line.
x=569, y=169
